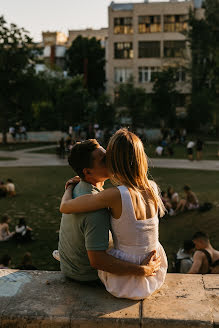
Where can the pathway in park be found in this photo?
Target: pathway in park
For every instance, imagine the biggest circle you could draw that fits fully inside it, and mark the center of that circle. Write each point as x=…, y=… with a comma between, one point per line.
x=25, y=157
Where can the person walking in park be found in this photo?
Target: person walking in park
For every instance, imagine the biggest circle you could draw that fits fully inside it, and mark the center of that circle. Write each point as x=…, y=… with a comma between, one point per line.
x=199, y=149
x=134, y=206
x=190, y=146
x=206, y=258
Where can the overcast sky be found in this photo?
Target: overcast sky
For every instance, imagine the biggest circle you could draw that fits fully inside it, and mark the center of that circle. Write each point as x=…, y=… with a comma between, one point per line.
x=57, y=15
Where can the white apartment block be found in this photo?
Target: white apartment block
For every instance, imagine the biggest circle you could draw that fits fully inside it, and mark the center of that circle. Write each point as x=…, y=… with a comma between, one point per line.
x=146, y=37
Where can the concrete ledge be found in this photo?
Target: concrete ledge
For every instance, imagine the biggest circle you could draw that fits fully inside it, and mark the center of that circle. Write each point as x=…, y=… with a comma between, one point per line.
x=47, y=299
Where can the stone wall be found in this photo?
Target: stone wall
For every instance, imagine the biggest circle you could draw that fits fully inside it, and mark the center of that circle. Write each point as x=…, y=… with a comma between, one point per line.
x=47, y=299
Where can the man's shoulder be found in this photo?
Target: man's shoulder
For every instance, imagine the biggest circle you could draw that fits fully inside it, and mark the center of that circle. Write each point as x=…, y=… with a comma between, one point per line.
x=199, y=253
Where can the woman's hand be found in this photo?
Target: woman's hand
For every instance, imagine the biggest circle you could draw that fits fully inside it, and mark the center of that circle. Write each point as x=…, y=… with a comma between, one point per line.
x=152, y=264
x=73, y=181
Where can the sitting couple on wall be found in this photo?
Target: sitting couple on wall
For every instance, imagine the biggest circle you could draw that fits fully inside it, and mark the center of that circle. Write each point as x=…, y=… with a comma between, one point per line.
x=136, y=266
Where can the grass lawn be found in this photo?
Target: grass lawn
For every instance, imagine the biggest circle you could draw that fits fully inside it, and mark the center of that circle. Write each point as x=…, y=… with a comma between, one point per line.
x=23, y=145
x=8, y=158
x=209, y=151
x=180, y=152
x=40, y=189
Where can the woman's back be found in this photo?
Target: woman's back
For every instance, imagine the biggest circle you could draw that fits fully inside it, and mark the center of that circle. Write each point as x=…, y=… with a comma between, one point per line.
x=134, y=239
x=136, y=236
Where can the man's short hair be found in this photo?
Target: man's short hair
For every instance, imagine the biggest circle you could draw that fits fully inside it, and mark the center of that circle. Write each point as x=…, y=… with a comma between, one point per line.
x=81, y=156
x=201, y=235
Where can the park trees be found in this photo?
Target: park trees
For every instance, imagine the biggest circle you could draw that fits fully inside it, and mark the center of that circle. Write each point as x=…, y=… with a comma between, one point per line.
x=17, y=75
x=164, y=96
x=86, y=57
x=133, y=102
x=204, y=43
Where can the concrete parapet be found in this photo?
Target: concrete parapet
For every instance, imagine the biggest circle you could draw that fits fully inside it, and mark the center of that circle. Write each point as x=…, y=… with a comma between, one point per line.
x=47, y=299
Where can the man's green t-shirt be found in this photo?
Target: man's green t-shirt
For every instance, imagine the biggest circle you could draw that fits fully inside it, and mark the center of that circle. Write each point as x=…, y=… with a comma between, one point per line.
x=80, y=232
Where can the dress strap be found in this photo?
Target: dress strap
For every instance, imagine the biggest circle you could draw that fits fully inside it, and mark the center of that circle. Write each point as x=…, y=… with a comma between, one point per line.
x=127, y=206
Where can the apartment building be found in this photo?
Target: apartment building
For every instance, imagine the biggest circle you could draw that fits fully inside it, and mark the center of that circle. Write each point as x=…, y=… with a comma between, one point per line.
x=145, y=38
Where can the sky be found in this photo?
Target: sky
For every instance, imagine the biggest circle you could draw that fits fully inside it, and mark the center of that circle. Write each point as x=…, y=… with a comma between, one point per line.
x=57, y=15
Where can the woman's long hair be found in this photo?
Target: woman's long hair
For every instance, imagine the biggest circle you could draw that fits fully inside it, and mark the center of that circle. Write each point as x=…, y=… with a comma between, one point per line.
x=127, y=164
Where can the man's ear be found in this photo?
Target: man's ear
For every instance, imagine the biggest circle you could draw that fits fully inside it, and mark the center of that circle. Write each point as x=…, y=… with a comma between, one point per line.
x=86, y=171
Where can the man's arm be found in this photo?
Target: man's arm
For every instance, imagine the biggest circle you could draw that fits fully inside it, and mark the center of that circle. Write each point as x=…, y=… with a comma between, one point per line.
x=100, y=260
x=197, y=263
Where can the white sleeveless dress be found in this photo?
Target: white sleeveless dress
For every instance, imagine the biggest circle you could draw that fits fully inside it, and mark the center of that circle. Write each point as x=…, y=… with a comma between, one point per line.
x=133, y=241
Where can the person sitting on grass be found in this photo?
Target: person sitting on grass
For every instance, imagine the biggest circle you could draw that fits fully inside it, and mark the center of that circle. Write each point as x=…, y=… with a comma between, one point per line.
x=190, y=203
x=3, y=189
x=26, y=263
x=184, y=257
x=173, y=196
x=5, y=261
x=10, y=188
x=206, y=258
x=167, y=203
x=23, y=232
x=5, y=233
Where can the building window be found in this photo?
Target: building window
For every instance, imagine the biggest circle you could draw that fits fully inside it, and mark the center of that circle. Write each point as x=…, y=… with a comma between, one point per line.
x=174, y=49
x=175, y=23
x=123, y=25
x=147, y=74
x=122, y=75
x=123, y=50
x=149, y=24
x=148, y=49
x=181, y=75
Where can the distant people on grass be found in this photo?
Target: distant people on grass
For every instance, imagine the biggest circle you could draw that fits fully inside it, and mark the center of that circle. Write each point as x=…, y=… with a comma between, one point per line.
x=22, y=132
x=159, y=151
x=199, y=149
x=206, y=258
x=3, y=189
x=23, y=233
x=167, y=203
x=62, y=148
x=184, y=257
x=26, y=263
x=190, y=203
x=5, y=262
x=5, y=233
x=12, y=132
x=190, y=146
x=10, y=188
x=173, y=197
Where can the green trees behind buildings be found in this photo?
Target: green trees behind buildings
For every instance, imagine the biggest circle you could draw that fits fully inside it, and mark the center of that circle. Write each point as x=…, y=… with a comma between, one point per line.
x=204, y=43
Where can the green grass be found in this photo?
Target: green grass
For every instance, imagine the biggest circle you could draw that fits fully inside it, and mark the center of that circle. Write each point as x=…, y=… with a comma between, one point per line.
x=23, y=145
x=39, y=191
x=180, y=152
x=8, y=159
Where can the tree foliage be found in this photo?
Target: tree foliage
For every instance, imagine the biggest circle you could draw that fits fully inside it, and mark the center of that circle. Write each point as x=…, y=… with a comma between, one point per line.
x=204, y=42
x=135, y=102
x=86, y=57
x=17, y=76
x=165, y=96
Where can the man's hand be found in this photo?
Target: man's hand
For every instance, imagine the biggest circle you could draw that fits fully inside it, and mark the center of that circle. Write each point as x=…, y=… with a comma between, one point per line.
x=73, y=181
x=151, y=264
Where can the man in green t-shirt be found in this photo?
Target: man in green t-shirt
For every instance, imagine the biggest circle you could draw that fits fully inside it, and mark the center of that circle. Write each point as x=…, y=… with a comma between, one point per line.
x=84, y=237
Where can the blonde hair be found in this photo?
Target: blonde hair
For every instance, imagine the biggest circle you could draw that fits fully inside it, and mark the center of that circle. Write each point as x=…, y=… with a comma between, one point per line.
x=127, y=163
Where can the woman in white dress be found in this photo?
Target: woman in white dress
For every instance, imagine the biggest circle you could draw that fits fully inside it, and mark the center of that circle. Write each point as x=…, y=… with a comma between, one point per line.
x=134, y=206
